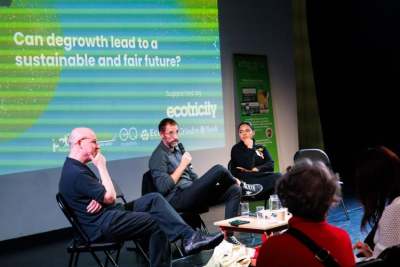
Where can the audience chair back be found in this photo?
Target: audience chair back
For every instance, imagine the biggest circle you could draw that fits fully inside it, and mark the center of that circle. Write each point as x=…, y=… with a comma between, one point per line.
x=372, y=263
x=316, y=154
x=390, y=257
x=313, y=154
x=81, y=241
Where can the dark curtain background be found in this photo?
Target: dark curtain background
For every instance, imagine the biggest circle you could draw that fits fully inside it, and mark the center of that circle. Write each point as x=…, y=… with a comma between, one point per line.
x=355, y=52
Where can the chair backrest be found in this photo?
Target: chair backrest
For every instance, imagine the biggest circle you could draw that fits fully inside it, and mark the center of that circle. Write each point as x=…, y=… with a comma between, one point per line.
x=313, y=154
x=372, y=263
x=72, y=218
x=118, y=192
x=230, y=165
x=391, y=255
x=148, y=184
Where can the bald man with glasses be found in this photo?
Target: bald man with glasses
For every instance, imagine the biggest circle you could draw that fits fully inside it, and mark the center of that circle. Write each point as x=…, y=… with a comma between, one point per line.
x=150, y=217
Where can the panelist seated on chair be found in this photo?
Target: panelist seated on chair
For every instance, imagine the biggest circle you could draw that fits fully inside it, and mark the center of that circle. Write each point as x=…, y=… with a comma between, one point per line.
x=150, y=217
x=175, y=179
x=308, y=190
x=251, y=162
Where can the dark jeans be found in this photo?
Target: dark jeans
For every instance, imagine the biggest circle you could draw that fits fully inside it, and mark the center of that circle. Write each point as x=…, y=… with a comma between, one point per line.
x=152, y=219
x=216, y=186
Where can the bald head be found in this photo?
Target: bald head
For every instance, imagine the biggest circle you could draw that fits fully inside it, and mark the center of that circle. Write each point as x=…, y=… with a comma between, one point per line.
x=79, y=134
x=83, y=144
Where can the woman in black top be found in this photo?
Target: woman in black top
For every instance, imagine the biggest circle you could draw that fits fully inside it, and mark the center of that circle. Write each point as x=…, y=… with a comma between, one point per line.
x=251, y=162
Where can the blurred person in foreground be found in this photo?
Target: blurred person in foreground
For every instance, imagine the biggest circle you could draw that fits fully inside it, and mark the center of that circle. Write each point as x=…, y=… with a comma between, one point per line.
x=308, y=190
x=378, y=189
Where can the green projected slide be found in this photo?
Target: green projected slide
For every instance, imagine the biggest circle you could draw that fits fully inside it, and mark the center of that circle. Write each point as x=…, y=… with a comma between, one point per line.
x=117, y=66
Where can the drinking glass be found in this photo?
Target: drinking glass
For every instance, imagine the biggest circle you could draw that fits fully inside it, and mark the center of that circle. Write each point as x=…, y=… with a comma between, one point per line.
x=244, y=209
x=260, y=213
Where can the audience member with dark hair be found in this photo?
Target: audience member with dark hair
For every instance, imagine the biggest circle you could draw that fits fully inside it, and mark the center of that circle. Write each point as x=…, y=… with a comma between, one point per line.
x=378, y=188
x=251, y=162
x=308, y=189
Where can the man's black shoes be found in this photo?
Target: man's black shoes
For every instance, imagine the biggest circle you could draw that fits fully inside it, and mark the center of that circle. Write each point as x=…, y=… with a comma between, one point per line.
x=200, y=241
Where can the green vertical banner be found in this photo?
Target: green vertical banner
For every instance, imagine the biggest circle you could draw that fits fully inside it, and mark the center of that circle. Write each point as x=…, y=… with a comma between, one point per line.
x=253, y=94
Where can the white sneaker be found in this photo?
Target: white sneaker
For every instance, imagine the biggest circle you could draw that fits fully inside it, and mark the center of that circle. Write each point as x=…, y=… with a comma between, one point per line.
x=251, y=189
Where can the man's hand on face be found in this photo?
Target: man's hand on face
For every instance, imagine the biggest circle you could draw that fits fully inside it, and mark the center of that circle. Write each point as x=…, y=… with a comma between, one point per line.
x=186, y=159
x=248, y=142
x=93, y=207
x=99, y=160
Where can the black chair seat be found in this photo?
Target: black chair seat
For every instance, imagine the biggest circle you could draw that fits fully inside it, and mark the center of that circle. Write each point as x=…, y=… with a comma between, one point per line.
x=74, y=246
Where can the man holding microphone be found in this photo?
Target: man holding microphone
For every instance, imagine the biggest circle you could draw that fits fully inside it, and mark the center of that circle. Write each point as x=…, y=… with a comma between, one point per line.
x=175, y=179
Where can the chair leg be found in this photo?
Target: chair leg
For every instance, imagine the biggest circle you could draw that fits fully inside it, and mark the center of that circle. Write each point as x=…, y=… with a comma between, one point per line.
x=76, y=259
x=142, y=251
x=106, y=260
x=96, y=258
x=117, y=257
x=110, y=258
x=71, y=259
x=345, y=209
x=203, y=227
x=179, y=250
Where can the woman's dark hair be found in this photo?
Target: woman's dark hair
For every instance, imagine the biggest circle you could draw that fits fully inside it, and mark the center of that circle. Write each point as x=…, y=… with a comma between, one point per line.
x=246, y=123
x=377, y=179
x=308, y=189
x=163, y=123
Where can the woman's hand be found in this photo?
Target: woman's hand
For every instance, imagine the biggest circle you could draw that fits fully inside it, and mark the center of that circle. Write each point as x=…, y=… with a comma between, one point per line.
x=248, y=142
x=243, y=169
x=363, y=249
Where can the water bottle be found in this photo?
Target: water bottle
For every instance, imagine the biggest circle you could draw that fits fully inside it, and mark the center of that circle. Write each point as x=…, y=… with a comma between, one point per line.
x=274, y=203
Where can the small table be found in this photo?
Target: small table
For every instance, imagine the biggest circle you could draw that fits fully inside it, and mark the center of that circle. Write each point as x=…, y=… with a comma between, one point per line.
x=254, y=226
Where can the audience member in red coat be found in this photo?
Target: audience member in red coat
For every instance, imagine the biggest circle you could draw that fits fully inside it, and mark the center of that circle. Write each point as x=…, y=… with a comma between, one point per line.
x=308, y=189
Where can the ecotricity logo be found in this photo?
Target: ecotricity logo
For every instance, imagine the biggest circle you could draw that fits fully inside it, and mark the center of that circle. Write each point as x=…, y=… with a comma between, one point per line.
x=192, y=110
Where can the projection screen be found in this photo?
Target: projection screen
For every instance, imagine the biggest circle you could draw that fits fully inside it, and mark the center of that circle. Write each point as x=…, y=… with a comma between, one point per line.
x=118, y=67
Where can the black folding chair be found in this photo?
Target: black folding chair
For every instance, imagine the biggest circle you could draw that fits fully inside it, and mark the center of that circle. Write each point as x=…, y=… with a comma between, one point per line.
x=316, y=154
x=81, y=242
x=390, y=257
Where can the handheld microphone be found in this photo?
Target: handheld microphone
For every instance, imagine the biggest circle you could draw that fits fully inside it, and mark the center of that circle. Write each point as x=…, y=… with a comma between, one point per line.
x=182, y=149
